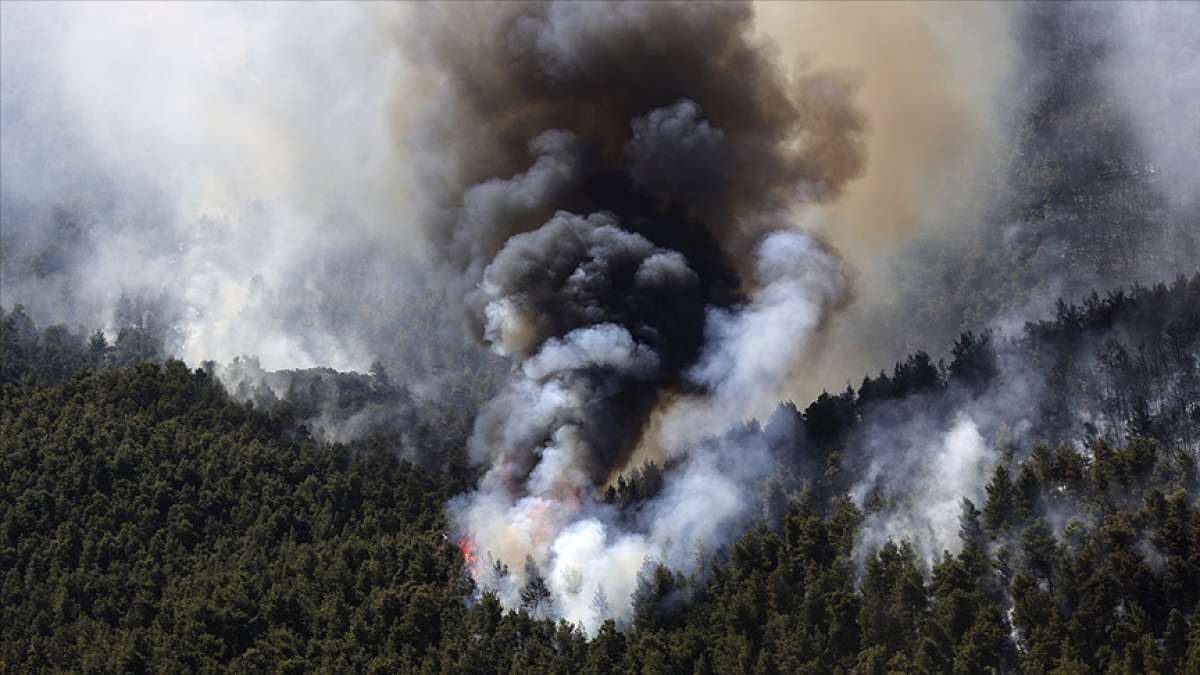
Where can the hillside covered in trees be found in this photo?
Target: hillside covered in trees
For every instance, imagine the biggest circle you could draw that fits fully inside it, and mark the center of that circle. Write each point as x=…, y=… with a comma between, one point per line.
x=152, y=522
x=455, y=338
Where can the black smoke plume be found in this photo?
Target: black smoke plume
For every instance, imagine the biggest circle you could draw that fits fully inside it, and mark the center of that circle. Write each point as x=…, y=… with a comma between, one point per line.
x=612, y=184
x=669, y=118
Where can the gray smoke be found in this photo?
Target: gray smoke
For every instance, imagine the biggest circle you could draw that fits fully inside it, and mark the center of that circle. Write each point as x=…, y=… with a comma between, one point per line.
x=191, y=153
x=1064, y=142
x=1154, y=69
x=607, y=196
x=614, y=219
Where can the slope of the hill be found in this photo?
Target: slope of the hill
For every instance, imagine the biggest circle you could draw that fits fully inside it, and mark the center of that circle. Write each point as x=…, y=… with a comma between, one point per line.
x=152, y=524
x=149, y=522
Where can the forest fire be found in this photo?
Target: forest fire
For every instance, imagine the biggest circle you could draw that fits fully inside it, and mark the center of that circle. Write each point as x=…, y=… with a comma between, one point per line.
x=541, y=335
x=623, y=241
x=467, y=546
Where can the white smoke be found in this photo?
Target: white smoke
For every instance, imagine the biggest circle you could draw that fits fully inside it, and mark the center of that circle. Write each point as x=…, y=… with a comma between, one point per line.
x=582, y=545
x=750, y=350
x=925, y=453
x=1154, y=71
x=929, y=483
x=222, y=156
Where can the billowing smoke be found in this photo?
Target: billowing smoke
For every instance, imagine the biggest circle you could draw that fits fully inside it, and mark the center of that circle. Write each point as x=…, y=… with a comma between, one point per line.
x=937, y=468
x=615, y=221
x=610, y=195
x=750, y=348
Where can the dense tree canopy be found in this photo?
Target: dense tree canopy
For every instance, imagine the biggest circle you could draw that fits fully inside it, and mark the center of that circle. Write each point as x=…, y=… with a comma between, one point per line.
x=150, y=521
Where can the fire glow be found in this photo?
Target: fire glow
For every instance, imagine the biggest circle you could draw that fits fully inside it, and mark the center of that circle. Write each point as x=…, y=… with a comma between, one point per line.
x=467, y=547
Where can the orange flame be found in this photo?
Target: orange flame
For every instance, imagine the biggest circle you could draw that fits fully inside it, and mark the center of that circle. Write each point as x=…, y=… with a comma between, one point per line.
x=467, y=546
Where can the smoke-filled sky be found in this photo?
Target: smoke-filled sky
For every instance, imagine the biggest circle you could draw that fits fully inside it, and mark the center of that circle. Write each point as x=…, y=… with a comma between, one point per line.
x=245, y=161
x=664, y=218
x=245, y=156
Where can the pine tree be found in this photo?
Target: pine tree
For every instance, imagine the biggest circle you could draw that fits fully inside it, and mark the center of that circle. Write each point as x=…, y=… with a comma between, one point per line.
x=535, y=597
x=998, y=510
x=98, y=350
x=599, y=605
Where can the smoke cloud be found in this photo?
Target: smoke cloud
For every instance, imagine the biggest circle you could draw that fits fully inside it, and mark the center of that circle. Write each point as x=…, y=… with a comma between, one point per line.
x=190, y=153
x=1152, y=69
x=654, y=219
x=619, y=228
x=1019, y=153
x=914, y=460
x=936, y=80
x=750, y=348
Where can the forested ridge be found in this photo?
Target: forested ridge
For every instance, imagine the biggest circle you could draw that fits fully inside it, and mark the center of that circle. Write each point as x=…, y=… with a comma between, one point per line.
x=449, y=338
x=153, y=522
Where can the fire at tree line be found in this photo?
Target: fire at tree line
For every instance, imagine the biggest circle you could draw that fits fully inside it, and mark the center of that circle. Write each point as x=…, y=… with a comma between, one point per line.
x=160, y=516
x=155, y=522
